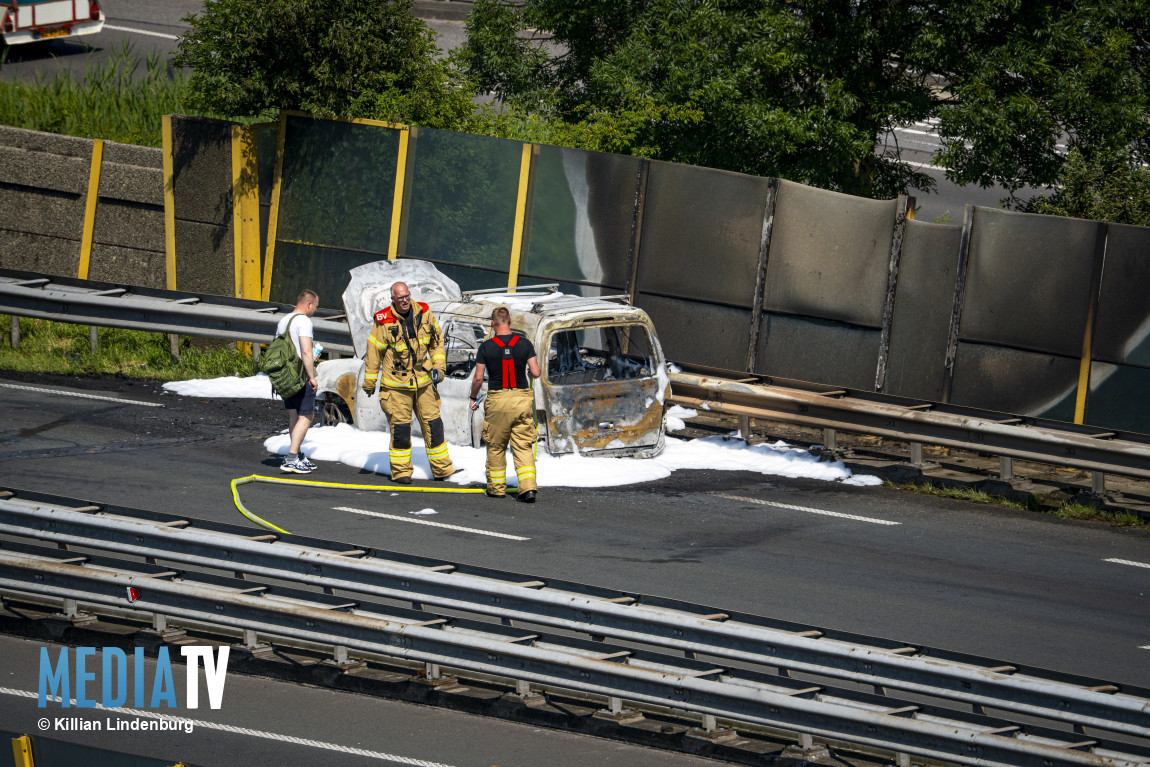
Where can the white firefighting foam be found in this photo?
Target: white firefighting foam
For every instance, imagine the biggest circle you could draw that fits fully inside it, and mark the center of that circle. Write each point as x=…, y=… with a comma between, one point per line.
x=369, y=450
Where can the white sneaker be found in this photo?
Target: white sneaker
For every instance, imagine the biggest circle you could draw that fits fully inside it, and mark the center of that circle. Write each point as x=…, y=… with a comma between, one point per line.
x=295, y=467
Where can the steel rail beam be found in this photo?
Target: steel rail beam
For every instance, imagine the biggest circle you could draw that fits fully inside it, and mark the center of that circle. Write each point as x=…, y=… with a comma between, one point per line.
x=616, y=678
x=131, y=307
x=808, y=408
x=528, y=600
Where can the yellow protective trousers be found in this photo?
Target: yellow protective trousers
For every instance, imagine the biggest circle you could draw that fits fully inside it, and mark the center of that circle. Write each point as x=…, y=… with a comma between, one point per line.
x=508, y=418
x=398, y=405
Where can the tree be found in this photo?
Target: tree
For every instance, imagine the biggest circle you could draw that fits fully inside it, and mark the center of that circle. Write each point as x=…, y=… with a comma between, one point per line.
x=1104, y=188
x=804, y=89
x=360, y=58
x=1028, y=83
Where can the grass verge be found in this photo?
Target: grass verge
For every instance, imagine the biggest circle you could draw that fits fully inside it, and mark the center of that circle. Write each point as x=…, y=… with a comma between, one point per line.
x=57, y=347
x=116, y=100
x=1068, y=510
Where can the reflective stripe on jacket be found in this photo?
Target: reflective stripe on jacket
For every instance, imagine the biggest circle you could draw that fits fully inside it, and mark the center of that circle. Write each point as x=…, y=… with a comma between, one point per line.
x=389, y=355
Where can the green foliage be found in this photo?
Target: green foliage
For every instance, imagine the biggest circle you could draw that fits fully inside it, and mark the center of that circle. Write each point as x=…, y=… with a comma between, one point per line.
x=56, y=347
x=115, y=101
x=1024, y=77
x=798, y=90
x=805, y=89
x=362, y=58
x=1104, y=188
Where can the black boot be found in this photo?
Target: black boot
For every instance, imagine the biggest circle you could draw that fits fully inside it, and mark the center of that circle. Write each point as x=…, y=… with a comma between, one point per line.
x=527, y=496
x=402, y=480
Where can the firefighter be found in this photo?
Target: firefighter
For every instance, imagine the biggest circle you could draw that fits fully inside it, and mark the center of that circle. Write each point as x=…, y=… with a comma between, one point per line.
x=405, y=357
x=508, y=414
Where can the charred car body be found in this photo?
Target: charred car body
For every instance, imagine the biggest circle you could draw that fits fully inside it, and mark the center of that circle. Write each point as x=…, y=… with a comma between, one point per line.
x=604, y=383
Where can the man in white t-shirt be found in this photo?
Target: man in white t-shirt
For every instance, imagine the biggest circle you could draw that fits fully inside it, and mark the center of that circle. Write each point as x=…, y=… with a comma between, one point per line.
x=301, y=405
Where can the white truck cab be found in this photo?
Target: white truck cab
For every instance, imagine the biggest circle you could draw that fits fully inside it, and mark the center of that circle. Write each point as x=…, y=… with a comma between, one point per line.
x=604, y=385
x=27, y=21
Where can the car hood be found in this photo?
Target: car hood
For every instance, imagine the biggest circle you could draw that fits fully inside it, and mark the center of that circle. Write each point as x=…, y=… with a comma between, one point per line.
x=369, y=291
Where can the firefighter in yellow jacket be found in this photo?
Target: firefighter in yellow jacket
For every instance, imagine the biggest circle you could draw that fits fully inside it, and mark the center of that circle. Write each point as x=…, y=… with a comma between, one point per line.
x=405, y=357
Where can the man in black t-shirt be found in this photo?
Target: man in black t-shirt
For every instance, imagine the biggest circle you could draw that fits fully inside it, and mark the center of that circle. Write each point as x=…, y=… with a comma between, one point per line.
x=508, y=414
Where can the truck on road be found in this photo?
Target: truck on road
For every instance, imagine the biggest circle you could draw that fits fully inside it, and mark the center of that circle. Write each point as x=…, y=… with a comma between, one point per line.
x=29, y=21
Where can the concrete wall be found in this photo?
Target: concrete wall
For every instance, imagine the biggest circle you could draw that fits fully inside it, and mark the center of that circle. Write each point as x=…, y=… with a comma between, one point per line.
x=43, y=194
x=44, y=181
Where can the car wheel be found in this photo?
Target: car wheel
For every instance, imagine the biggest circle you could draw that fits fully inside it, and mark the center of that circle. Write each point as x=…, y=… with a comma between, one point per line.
x=335, y=412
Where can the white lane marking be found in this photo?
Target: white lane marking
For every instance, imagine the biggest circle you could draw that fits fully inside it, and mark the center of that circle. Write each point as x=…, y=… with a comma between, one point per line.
x=82, y=395
x=141, y=32
x=431, y=524
x=806, y=509
x=197, y=723
x=1128, y=562
x=1145, y=647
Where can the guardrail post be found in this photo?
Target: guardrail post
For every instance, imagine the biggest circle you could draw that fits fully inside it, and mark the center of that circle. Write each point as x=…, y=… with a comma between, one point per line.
x=711, y=731
x=341, y=660
x=745, y=428
x=70, y=612
x=830, y=440
x=615, y=712
x=1098, y=482
x=93, y=338
x=916, y=459
x=1005, y=468
x=15, y=337
x=163, y=631
x=174, y=346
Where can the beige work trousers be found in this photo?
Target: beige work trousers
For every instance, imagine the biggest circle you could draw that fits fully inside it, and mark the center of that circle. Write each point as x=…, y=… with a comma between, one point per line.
x=398, y=405
x=508, y=417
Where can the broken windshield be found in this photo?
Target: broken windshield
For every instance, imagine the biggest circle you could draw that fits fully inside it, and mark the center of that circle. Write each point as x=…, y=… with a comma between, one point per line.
x=601, y=353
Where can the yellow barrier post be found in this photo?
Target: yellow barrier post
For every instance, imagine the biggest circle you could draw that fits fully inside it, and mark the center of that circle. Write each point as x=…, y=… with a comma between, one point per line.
x=22, y=751
x=273, y=219
x=90, y=226
x=245, y=218
x=396, y=238
x=169, y=219
x=522, y=225
x=90, y=208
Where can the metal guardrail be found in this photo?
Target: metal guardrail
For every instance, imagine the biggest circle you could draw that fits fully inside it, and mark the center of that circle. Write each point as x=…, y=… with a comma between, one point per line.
x=691, y=629
x=84, y=302
x=885, y=725
x=94, y=303
x=998, y=434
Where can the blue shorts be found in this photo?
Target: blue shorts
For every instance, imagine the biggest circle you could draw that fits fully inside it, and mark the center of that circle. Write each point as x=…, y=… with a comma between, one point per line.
x=303, y=401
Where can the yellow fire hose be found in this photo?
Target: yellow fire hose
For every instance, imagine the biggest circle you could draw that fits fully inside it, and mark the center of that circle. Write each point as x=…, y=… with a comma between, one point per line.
x=312, y=483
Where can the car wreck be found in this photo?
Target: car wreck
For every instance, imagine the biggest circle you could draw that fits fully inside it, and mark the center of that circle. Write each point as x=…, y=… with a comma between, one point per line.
x=603, y=389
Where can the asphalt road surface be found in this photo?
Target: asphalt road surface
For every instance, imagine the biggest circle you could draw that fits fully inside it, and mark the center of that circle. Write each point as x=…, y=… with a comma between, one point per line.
x=1016, y=586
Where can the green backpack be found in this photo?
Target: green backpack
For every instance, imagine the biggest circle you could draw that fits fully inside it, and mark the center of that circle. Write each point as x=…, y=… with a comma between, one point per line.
x=283, y=365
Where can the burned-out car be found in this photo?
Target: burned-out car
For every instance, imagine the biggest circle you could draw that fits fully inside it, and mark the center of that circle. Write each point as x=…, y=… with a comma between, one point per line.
x=603, y=389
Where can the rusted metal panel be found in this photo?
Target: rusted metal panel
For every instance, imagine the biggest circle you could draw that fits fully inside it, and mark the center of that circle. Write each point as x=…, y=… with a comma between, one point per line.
x=701, y=233
x=699, y=333
x=603, y=416
x=818, y=351
x=1123, y=320
x=921, y=321
x=1028, y=281
x=830, y=255
x=1015, y=381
